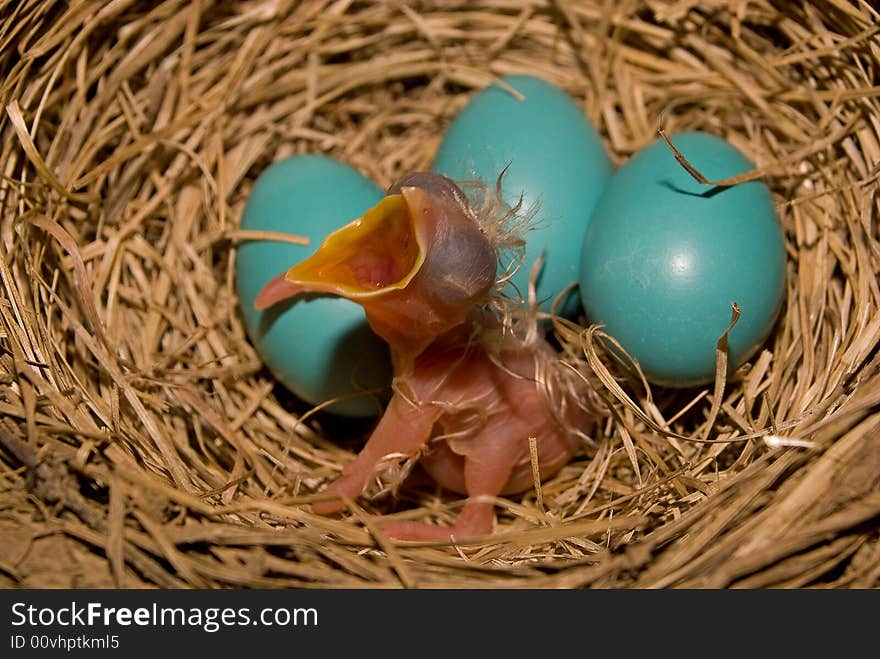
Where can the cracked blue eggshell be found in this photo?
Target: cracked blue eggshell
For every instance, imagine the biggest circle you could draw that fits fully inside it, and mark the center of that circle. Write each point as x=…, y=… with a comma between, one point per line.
x=318, y=347
x=555, y=161
x=664, y=257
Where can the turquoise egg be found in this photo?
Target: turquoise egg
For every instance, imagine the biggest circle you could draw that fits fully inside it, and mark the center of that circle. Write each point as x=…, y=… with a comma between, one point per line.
x=318, y=347
x=556, y=162
x=664, y=257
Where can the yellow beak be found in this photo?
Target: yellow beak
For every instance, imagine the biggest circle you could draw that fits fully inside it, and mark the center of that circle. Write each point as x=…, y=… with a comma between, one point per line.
x=375, y=254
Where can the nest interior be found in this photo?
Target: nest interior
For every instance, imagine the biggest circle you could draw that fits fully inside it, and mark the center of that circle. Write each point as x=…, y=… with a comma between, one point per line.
x=144, y=445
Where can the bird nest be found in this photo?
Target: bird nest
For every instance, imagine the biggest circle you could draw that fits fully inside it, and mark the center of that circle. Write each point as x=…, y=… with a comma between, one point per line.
x=144, y=444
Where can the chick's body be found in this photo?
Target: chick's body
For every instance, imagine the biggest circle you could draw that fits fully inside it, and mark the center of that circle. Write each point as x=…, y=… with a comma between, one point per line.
x=468, y=395
x=489, y=410
x=470, y=414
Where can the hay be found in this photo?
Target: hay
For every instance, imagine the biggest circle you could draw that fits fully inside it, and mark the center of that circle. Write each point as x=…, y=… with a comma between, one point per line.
x=142, y=443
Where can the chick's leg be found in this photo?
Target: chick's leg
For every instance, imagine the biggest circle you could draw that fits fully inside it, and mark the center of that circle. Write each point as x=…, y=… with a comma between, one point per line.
x=403, y=429
x=486, y=471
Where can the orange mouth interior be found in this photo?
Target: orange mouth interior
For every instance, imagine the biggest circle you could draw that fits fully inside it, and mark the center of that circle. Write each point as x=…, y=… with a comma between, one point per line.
x=378, y=252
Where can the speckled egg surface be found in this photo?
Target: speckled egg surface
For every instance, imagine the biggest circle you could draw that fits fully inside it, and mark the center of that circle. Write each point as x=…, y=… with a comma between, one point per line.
x=319, y=347
x=556, y=163
x=665, y=256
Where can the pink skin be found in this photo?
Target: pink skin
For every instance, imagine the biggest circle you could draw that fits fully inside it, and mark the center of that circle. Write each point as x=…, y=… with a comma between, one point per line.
x=277, y=290
x=452, y=385
x=469, y=416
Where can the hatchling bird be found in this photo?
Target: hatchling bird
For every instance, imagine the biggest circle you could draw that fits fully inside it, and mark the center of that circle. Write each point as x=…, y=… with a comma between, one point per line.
x=468, y=391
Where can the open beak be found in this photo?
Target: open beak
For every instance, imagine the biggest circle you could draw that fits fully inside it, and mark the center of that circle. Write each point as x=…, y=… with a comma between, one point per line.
x=416, y=262
x=371, y=256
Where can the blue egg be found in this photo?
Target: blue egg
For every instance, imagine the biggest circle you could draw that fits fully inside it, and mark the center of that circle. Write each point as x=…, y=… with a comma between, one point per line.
x=556, y=162
x=319, y=347
x=665, y=256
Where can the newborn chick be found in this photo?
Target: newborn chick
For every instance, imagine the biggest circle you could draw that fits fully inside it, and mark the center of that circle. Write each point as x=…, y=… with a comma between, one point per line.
x=467, y=395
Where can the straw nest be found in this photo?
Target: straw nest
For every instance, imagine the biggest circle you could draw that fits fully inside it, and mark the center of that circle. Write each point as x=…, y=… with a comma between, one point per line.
x=143, y=444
